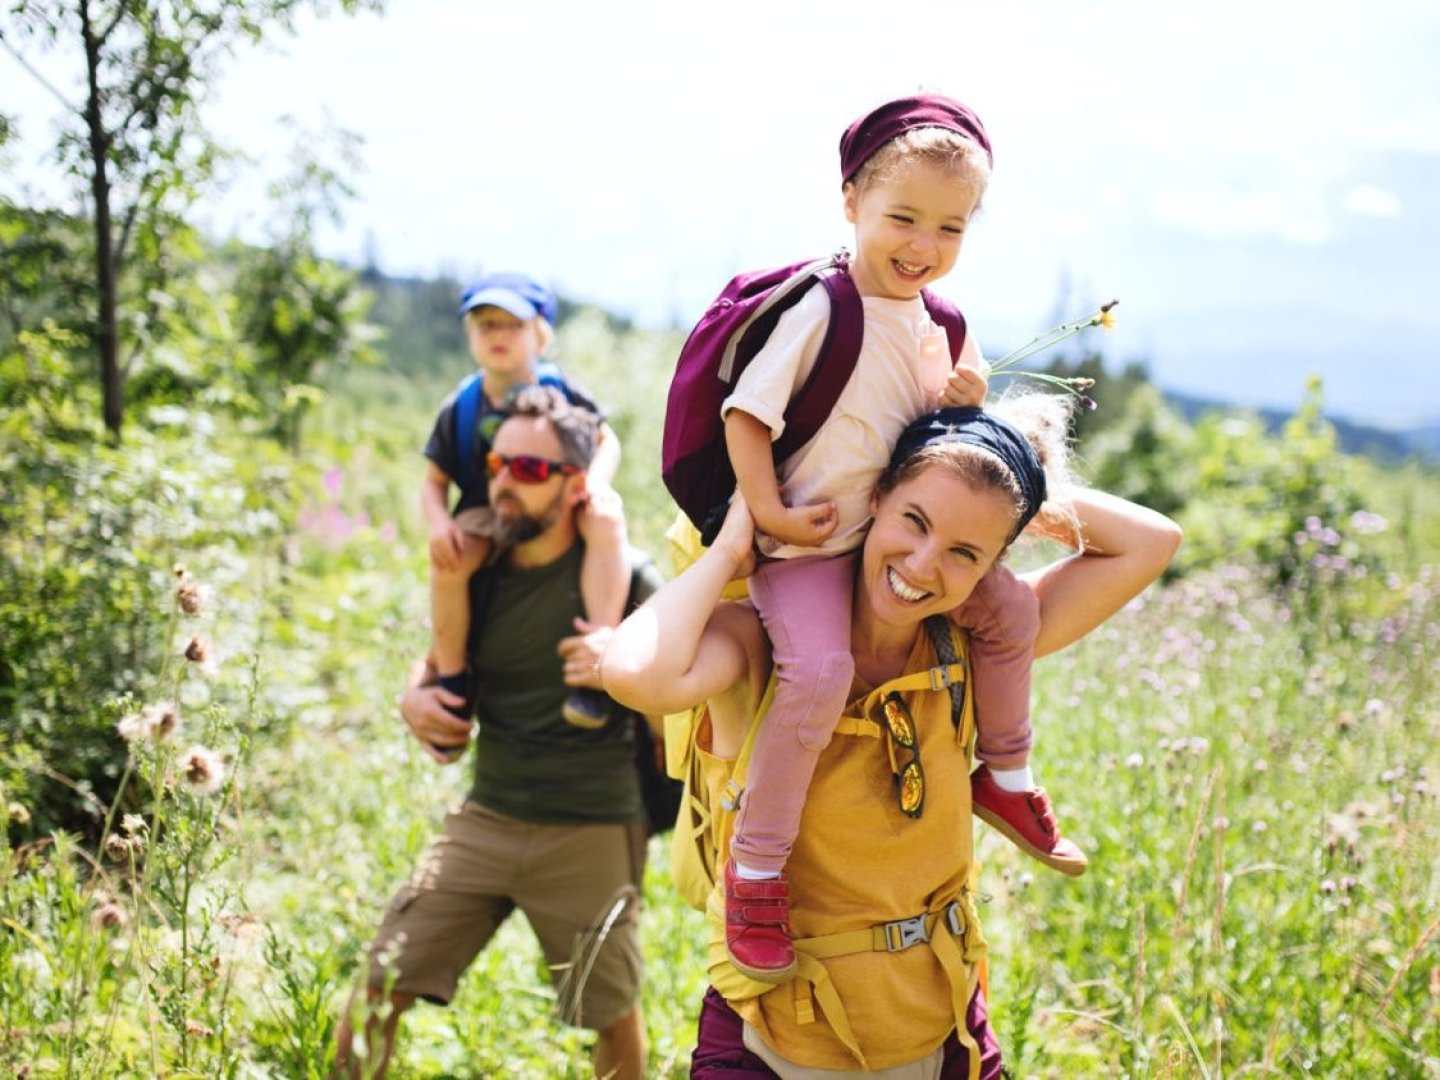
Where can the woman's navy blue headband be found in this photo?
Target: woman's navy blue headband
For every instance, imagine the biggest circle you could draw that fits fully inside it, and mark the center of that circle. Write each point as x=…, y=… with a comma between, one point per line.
x=978, y=428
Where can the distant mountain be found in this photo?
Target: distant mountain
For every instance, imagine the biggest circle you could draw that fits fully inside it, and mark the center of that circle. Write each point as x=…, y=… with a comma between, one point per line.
x=1389, y=444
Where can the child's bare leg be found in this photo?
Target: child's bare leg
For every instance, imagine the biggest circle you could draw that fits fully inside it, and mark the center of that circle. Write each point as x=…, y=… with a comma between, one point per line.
x=1003, y=617
x=604, y=589
x=450, y=607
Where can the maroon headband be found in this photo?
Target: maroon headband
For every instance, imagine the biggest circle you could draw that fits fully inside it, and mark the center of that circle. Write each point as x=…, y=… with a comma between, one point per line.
x=894, y=118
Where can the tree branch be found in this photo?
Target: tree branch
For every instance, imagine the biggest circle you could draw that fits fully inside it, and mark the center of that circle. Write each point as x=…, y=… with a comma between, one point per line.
x=54, y=90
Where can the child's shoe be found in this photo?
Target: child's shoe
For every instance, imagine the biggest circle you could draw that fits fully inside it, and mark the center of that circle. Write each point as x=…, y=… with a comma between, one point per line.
x=587, y=708
x=1028, y=820
x=757, y=927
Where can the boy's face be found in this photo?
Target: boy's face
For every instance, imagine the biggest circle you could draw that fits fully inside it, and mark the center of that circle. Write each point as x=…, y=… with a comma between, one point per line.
x=502, y=344
x=908, y=229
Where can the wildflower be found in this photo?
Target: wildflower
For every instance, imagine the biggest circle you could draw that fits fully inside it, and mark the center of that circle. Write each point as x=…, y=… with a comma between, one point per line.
x=190, y=598
x=1102, y=317
x=133, y=824
x=108, y=916
x=154, y=723
x=1327, y=887
x=1135, y=761
x=117, y=847
x=1259, y=827
x=18, y=813
x=194, y=1027
x=202, y=770
x=198, y=651
x=130, y=728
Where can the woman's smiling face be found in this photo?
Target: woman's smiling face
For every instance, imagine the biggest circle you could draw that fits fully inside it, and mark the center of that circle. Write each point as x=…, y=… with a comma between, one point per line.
x=933, y=537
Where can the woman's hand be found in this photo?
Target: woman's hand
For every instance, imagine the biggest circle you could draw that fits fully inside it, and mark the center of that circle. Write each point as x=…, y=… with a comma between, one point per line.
x=737, y=537
x=801, y=526
x=582, y=651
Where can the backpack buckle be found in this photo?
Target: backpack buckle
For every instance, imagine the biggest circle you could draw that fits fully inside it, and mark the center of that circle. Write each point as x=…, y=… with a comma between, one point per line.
x=730, y=796
x=955, y=919
x=902, y=933
x=944, y=676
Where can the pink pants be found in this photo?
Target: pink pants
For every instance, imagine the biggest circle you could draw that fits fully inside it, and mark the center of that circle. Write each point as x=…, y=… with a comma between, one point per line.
x=805, y=606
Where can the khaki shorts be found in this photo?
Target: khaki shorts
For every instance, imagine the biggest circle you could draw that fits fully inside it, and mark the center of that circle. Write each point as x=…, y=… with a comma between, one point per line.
x=570, y=881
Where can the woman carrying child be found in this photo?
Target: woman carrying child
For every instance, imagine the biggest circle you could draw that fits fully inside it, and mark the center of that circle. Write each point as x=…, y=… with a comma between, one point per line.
x=888, y=944
x=913, y=172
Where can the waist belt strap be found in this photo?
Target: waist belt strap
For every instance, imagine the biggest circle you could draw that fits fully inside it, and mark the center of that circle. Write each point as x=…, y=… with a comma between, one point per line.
x=938, y=929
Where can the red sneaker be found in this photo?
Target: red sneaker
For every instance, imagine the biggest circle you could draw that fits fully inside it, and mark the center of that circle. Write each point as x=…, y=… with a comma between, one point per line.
x=757, y=927
x=1028, y=820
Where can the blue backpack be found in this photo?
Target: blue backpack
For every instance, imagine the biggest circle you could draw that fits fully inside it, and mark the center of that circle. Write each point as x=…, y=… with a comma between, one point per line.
x=694, y=463
x=466, y=415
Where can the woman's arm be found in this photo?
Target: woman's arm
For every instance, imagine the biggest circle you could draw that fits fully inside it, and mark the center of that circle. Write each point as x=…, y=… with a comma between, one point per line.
x=1126, y=548
x=677, y=650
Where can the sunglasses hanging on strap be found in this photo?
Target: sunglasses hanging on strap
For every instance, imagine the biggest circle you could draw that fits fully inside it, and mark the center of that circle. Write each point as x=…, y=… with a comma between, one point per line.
x=887, y=705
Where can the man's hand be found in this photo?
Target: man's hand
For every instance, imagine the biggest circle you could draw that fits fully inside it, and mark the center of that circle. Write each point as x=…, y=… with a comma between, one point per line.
x=582, y=652
x=443, y=734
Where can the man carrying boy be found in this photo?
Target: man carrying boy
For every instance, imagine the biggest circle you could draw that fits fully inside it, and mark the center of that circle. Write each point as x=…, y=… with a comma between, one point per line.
x=508, y=320
x=554, y=823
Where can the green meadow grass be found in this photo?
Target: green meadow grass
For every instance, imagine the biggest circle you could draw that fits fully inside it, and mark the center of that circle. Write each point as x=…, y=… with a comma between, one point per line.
x=1253, y=774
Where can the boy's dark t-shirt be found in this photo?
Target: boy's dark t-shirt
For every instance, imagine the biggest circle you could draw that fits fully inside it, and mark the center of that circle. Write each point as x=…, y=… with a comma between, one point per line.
x=530, y=763
x=442, y=450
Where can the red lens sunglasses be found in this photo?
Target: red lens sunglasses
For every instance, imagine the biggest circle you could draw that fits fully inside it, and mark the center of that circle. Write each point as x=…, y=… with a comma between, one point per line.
x=528, y=469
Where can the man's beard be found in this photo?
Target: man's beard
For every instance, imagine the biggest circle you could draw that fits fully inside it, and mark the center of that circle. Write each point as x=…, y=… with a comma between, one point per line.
x=515, y=527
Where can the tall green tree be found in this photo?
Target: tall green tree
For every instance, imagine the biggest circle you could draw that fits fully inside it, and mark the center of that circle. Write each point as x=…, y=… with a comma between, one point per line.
x=132, y=137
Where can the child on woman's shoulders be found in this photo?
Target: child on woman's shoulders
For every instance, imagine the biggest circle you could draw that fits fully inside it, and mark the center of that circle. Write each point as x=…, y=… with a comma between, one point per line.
x=913, y=172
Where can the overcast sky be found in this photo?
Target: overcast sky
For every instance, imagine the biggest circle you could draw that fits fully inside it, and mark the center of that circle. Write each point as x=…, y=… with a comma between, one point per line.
x=1257, y=182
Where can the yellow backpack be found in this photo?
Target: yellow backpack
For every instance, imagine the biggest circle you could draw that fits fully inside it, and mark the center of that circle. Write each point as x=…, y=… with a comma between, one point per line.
x=706, y=818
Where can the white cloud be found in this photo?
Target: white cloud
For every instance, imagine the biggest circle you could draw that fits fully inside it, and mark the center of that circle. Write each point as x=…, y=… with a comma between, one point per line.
x=1367, y=200
x=1221, y=212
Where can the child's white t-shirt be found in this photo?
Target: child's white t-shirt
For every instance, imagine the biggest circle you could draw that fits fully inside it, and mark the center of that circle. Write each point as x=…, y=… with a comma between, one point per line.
x=903, y=366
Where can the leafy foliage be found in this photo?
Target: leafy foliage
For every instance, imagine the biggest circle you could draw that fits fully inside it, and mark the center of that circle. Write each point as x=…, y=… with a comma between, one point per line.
x=134, y=144
x=1242, y=751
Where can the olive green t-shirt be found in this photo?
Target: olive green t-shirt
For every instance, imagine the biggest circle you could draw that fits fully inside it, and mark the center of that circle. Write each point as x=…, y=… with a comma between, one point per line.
x=530, y=763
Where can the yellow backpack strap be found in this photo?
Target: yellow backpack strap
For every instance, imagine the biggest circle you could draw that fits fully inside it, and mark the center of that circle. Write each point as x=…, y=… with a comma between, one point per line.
x=730, y=796
x=811, y=975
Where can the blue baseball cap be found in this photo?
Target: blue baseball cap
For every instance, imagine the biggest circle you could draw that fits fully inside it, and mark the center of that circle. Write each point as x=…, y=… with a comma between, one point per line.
x=515, y=293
